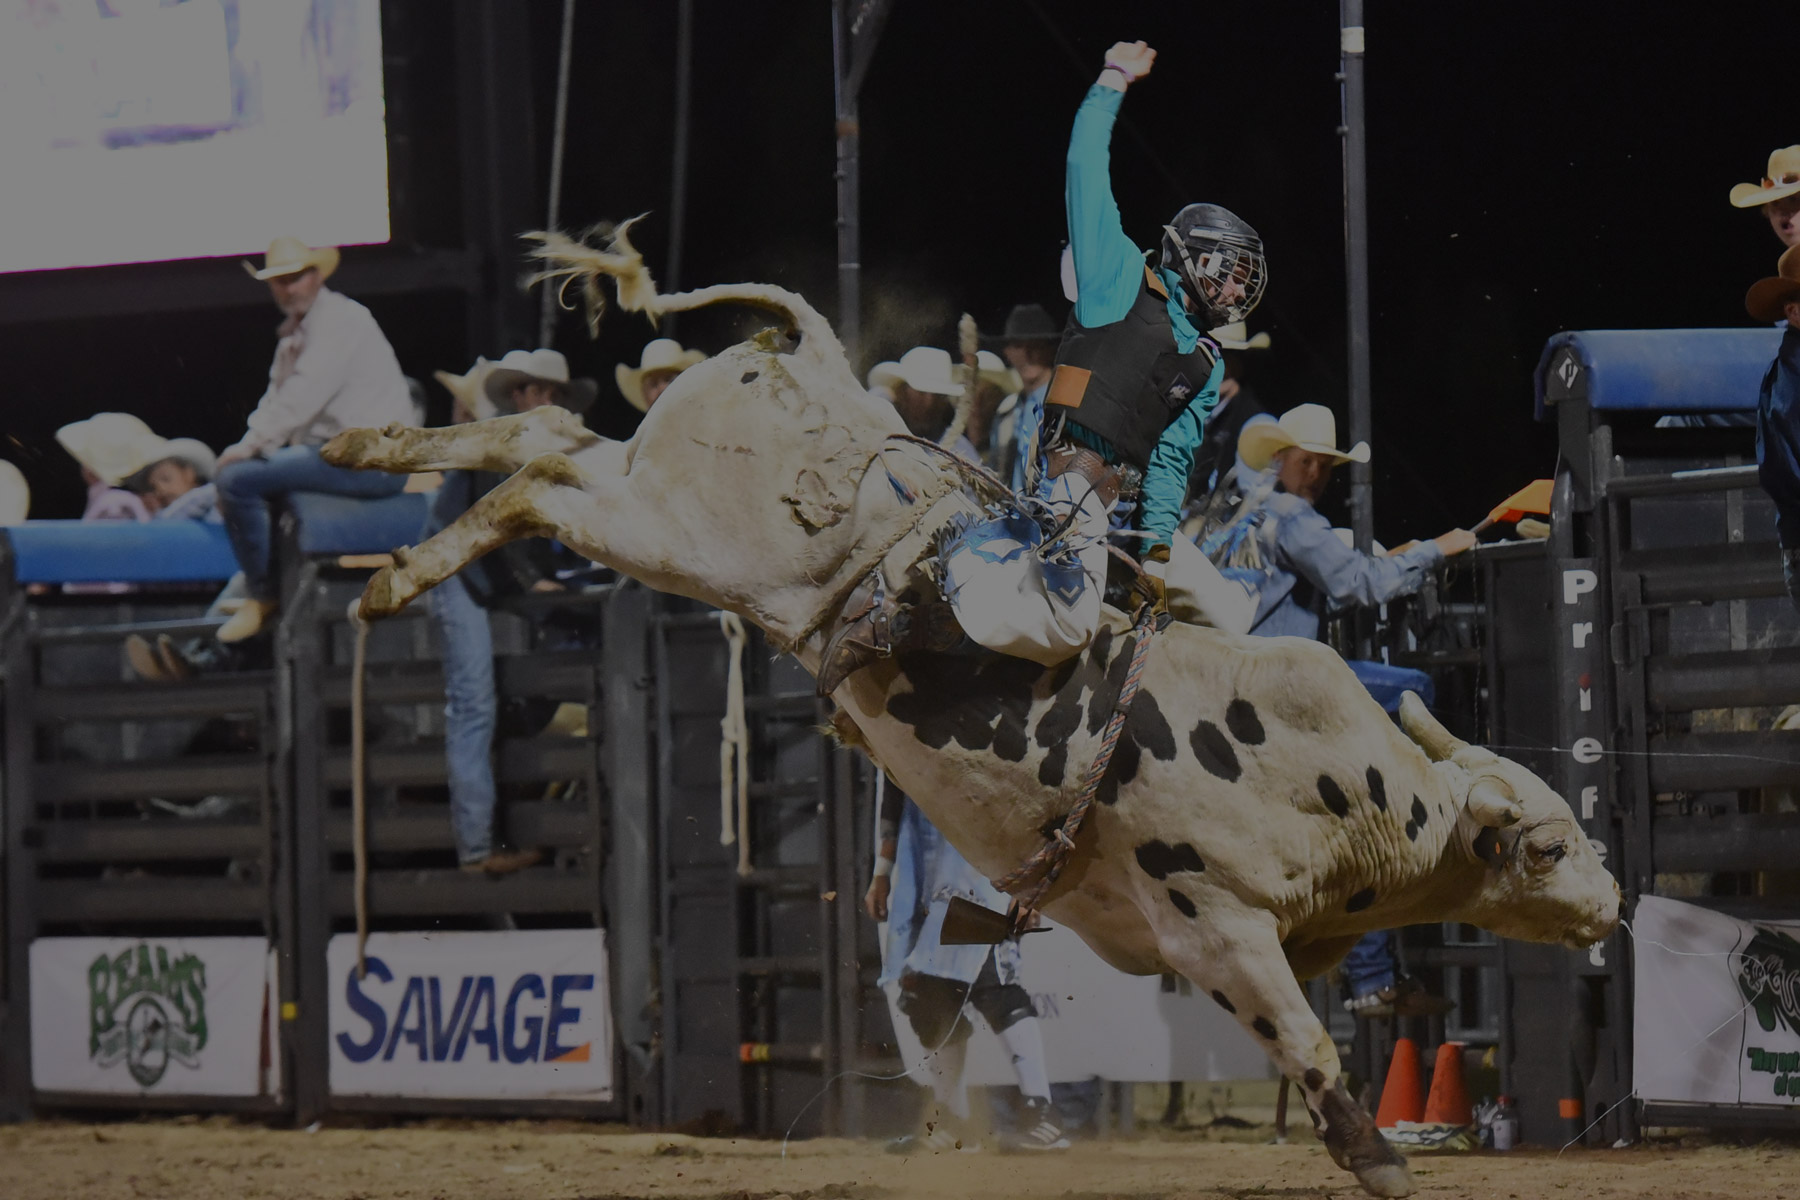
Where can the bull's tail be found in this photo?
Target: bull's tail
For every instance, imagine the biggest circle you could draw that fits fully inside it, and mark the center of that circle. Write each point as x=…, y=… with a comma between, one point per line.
x=572, y=261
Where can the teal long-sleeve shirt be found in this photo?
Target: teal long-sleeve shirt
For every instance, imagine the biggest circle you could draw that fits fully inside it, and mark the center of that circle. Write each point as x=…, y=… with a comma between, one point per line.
x=1109, y=269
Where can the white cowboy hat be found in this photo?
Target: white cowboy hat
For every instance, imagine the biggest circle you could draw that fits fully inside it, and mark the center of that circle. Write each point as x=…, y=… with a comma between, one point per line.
x=1311, y=427
x=884, y=375
x=290, y=256
x=923, y=369
x=1233, y=337
x=111, y=445
x=1783, y=179
x=519, y=367
x=989, y=368
x=467, y=388
x=662, y=354
x=15, y=495
x=192, y=451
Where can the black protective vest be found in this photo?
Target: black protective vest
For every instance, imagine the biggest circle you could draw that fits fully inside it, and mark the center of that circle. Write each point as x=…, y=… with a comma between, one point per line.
x=1126, y=381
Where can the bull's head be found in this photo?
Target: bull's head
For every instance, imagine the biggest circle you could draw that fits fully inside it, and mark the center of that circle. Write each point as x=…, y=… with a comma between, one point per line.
x=1541, y=879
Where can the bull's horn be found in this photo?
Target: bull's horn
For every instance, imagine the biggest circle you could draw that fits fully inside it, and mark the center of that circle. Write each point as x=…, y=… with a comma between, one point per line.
x=1437, y=742
x=1491, y=804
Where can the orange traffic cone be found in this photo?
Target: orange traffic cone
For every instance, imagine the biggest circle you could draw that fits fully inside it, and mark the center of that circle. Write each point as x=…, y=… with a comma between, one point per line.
x=1449, y=1100
x=1403, y=1096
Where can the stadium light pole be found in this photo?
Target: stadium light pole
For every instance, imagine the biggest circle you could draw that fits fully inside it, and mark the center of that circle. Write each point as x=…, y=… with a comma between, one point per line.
x=1356, y=261
x=855, y=28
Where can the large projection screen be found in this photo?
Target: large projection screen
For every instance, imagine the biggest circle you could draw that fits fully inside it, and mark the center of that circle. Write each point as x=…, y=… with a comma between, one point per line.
x=146, y=130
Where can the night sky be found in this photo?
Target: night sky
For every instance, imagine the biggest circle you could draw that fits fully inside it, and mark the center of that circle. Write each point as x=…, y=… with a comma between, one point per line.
x=1533, y=166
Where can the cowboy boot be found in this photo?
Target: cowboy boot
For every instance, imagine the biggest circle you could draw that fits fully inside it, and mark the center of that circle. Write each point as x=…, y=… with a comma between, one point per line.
x=881, y=628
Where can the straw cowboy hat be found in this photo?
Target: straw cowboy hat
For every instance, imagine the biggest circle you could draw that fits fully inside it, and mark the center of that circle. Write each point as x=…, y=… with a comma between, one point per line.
x=1767, y=297
x=1311, y=427
x=923, y=369
x=290, y=256
x=466, y=388
x=990, y=368
x=192, y=451
x=520, y=367
x=662, y=354
x=15, y=495
x=111, y=445
x=1783, y=179
x=1232, y=337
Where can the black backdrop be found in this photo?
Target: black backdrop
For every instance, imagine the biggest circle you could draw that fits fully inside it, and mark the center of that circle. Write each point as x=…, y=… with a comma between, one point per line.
x=1533, y=166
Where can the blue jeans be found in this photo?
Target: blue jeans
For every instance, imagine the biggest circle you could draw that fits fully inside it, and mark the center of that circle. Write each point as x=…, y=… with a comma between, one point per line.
x=247, y=487
x=470, y=705
x=1369, y=966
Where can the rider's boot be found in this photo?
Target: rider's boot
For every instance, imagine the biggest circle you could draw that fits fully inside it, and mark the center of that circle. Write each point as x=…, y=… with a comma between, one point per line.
x=881, y=627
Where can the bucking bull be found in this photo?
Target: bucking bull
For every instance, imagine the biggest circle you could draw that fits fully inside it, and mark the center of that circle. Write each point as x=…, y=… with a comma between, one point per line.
x=1261, y=811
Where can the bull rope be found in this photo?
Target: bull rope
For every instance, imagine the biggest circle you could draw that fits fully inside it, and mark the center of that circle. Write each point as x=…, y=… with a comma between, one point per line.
x=1030, y=882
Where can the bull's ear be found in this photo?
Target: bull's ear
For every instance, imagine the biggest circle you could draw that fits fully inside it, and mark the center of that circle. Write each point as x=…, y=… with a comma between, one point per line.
x=1423, y=728
x=1491, y=804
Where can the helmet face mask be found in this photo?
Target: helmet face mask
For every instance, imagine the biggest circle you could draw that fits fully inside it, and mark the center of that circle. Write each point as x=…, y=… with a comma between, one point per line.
x=1220, y=260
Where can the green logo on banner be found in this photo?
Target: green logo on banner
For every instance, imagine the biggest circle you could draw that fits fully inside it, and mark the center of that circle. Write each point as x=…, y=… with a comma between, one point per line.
x=1768, y=975
x=144, y=1010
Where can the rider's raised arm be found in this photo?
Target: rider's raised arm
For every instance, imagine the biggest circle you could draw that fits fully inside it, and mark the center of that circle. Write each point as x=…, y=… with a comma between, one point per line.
x=1108, y=265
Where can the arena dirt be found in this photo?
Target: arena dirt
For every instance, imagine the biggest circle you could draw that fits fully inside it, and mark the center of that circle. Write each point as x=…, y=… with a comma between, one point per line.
x=222, y=1159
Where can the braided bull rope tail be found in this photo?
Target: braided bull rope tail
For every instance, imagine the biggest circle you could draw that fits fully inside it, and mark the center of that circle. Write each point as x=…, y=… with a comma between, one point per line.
x=1031, y=882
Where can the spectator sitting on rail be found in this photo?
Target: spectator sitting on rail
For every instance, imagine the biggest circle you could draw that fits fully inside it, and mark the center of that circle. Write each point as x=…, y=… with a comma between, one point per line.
x=1028, y=342
x=1778, y=195
x=522, y=380
x=107, y=445
x=1778, y=411
x=917, y=873
x=661, y=361
x=333, y=370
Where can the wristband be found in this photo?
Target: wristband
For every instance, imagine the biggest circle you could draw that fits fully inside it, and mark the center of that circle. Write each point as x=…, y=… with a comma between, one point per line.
x=883, y=868
x=1129, y=77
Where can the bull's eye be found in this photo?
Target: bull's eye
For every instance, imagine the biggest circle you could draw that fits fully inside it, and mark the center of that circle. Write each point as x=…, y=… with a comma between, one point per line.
x=1553, y=852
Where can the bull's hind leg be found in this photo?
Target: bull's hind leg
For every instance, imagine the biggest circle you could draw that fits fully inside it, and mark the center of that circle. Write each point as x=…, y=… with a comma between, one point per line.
x=1238, y=961
x=498, y=444
x=548, y=497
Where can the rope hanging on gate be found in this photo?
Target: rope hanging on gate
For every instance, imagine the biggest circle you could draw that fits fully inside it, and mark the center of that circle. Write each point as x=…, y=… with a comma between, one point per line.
x=1030, y=882
x=359, y=788
x=734, y=748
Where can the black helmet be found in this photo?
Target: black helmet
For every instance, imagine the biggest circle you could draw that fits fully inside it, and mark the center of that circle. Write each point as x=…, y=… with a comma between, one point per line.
x=1220, y=260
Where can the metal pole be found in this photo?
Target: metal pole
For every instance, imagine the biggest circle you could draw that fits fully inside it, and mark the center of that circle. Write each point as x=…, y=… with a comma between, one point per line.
x=547, y=298
x=684, y=74
x=849, y=321
x=1356, y=262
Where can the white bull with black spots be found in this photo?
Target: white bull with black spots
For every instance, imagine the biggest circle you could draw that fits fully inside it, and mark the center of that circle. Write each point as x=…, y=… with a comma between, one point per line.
x=1261, y=812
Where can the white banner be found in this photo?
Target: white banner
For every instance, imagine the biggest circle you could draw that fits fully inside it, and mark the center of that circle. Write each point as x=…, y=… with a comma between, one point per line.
x=1717, y=1006
x=472, y=1016
x=1098, y=1021
x=176, y=1016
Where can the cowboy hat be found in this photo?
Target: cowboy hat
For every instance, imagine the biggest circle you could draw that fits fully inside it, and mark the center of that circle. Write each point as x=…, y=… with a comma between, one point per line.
x=989, y=368
x=15, y=495
x=662, y=354
x=923, y=369
x=1783, y=179
x=1767, y=297
x=1311, y=427
x=520, y=367
x=290, y=256
x=1233, y=337
x=192, y=451
x=1026, y=323
x=113, y=446
x=466, y=389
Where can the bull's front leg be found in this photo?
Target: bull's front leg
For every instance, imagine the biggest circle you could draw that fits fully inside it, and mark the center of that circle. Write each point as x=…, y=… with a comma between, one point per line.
x=498, y=444
x=1238, y=960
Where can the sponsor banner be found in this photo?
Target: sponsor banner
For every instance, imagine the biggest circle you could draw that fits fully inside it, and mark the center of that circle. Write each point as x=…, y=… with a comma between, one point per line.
x=472, y=1016
x=1717, y=1006
x=176, y=1016
x=1102, y=1022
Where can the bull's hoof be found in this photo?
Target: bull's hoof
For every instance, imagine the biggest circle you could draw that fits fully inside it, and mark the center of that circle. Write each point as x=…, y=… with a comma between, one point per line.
x=388, y=592
x=1386, y=1180
x=355, y=448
